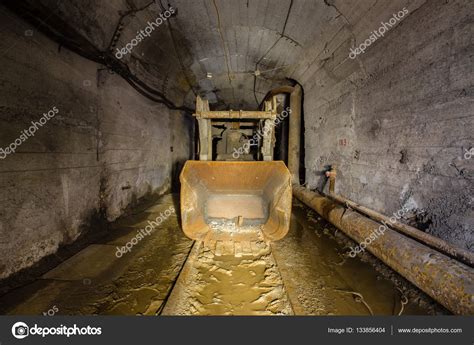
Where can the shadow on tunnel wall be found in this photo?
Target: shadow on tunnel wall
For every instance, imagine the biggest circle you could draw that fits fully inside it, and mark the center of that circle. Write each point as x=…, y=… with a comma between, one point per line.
x=175, y=172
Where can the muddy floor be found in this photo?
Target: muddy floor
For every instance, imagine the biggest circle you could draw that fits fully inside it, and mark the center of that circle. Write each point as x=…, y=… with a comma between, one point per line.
x=158, y=271
x=322, y=279
x=231, y=282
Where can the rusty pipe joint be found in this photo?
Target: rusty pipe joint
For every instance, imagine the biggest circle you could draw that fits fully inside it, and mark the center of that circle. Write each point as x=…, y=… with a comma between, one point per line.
x=331, y=174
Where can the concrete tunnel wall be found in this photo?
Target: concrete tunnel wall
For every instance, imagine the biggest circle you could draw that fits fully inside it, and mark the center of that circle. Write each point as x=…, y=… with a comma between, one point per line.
x=107, y=147
x=396, y=120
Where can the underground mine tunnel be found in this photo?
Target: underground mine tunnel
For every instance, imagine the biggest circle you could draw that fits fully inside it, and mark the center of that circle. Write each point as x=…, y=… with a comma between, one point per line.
x=236, y=157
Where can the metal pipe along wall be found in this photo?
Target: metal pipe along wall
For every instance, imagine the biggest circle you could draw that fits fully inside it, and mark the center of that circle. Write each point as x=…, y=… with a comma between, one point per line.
x=446, y=280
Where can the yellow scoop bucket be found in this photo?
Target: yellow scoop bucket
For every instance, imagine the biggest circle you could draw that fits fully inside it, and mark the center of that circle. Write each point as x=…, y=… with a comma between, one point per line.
x=225, y=200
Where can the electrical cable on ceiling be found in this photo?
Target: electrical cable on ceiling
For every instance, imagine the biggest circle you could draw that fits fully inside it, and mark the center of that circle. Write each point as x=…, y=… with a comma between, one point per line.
x=83, y=47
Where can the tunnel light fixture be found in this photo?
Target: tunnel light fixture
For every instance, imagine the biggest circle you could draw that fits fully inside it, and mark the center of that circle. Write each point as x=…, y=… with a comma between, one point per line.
x=209, y=75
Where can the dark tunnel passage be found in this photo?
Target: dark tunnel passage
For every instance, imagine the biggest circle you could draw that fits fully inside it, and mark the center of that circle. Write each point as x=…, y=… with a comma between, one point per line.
x=236, y=157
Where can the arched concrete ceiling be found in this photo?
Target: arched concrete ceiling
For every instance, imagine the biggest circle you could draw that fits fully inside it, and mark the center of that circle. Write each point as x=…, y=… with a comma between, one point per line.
x=230, y=39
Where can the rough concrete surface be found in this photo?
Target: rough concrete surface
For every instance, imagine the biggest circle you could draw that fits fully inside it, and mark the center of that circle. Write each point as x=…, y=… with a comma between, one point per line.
x=106, y=148
x=398, y=120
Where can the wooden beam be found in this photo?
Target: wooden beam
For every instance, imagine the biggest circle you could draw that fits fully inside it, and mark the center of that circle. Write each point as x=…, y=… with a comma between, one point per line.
x=233, y=114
